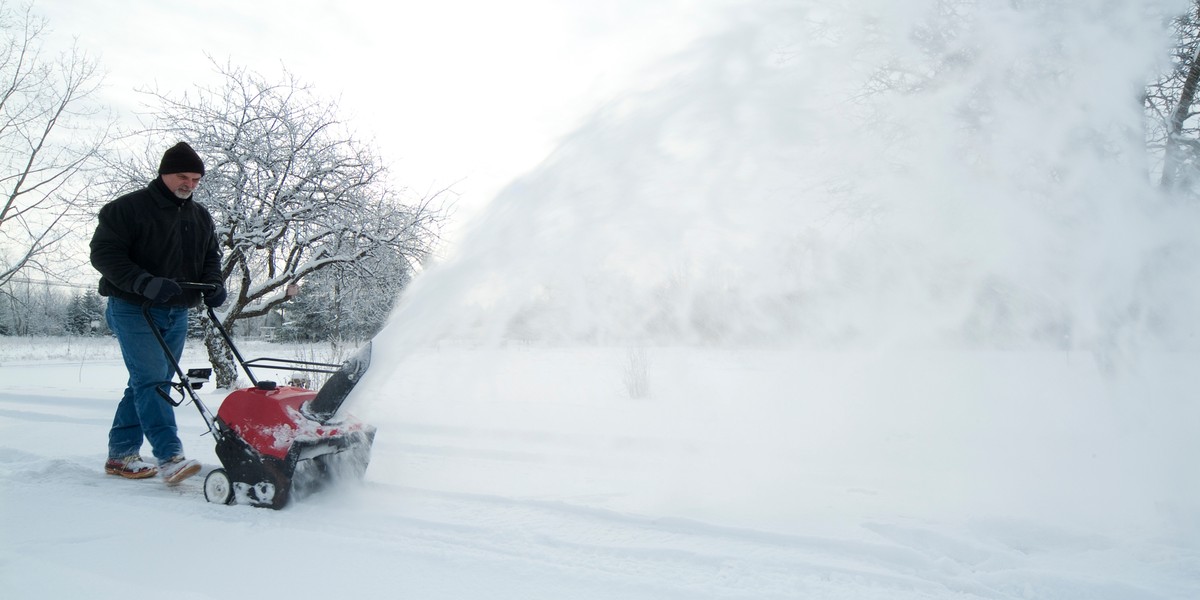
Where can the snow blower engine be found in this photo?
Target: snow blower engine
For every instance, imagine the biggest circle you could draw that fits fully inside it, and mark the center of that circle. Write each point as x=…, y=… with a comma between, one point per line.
x=276, y=441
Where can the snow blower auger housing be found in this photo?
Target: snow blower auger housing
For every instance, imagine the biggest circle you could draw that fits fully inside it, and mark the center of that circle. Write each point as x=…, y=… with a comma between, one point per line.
x=276, y=441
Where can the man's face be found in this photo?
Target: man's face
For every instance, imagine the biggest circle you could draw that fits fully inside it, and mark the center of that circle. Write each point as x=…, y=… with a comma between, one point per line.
x=182, y=184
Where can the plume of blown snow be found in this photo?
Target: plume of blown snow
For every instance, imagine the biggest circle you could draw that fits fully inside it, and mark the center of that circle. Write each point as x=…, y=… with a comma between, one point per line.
x=844, y=175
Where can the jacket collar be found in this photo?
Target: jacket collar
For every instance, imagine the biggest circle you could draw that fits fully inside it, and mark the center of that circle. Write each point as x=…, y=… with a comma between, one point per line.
x=163, y=197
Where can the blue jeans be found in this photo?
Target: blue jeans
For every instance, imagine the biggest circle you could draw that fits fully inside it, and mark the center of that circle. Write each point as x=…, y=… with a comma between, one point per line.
x=142, y=411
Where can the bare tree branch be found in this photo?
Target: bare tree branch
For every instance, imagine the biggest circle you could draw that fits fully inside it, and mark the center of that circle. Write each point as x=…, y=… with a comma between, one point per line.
x=46, y=150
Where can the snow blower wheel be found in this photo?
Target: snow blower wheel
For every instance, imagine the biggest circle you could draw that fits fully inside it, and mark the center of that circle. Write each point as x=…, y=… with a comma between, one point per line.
x=217, y=487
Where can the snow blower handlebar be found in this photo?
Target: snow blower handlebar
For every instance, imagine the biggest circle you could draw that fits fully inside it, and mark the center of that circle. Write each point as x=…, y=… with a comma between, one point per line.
x=331, y=396
x=263, y=362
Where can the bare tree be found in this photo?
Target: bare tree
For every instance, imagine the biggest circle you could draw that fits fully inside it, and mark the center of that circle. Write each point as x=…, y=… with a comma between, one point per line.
x=292, y=190
x=49, y=139
x=1169, y=105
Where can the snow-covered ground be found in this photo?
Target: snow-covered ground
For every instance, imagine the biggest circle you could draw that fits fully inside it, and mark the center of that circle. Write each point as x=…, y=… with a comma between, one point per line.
x=533, y=472
x=849, y=300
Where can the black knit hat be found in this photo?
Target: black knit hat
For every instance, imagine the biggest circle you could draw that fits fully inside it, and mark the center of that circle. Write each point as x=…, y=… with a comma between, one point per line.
x=180, y=158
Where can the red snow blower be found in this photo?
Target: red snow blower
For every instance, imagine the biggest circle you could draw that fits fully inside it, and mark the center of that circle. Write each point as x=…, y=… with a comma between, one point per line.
x=276, y=441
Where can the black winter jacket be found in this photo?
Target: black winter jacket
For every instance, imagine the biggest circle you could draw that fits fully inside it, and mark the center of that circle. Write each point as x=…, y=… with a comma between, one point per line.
x=150, y=233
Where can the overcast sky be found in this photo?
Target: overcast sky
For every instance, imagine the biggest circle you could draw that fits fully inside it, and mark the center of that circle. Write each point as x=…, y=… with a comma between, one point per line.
x=463, y=92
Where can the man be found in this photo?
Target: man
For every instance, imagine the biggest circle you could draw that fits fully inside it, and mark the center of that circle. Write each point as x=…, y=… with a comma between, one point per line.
x=145, y=242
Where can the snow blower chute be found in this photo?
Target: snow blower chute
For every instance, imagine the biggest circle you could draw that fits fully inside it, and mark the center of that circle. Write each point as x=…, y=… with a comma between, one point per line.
x=275, y=441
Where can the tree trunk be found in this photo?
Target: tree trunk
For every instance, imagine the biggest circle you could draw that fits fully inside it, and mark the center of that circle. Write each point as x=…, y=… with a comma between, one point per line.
x=220, y=356
x=1183, y=109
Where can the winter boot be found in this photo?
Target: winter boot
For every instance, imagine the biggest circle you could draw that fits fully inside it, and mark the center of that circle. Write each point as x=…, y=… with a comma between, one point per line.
x=177, y=469
x=130, y=467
